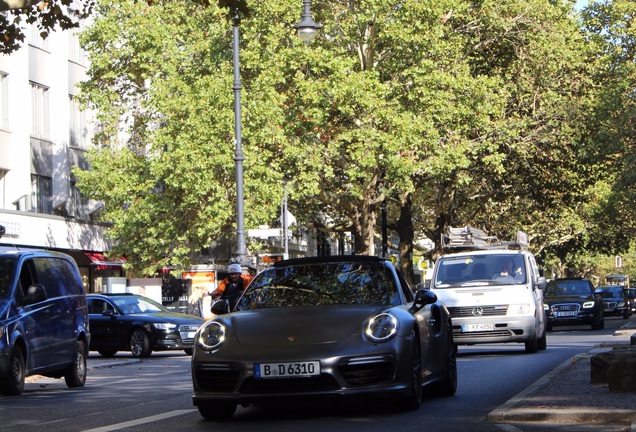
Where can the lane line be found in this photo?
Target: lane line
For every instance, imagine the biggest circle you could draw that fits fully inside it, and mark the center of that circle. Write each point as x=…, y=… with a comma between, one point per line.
x=141, y=421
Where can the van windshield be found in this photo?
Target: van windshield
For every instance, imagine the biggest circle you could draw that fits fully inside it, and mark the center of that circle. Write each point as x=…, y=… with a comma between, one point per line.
x=480, y=270
x=7, y=266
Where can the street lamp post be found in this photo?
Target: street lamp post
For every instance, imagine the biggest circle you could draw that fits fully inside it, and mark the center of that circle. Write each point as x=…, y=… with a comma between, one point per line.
x=241, y=247
x=307, y=29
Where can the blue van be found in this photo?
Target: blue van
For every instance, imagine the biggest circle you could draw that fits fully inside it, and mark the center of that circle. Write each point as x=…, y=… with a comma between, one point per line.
x=43, y=319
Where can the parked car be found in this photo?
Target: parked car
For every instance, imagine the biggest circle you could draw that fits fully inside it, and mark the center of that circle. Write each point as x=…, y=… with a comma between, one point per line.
x=572, y=301
x=131, y=322
x=631, y=295
x=615, y=300
x=324, y=327
x=43, y=319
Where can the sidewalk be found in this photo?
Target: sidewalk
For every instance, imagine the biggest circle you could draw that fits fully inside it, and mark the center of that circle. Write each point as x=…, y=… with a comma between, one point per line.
x=566, y=395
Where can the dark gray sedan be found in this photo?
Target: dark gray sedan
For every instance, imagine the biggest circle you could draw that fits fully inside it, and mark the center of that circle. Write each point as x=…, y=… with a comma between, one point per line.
x=324, y=327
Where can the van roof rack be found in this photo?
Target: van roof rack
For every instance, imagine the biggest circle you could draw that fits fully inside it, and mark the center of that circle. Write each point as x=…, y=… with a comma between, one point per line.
x=469, y=238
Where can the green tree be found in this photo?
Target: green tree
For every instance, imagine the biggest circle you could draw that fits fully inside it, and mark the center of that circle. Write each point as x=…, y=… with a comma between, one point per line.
x=451, y=112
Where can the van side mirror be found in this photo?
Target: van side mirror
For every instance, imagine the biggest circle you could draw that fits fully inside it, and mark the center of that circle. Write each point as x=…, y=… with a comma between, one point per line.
x=422, y=285
x=35, y=294
x=540, y=283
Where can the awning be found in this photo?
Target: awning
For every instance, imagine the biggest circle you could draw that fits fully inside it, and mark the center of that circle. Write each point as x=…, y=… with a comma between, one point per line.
x=100, y=262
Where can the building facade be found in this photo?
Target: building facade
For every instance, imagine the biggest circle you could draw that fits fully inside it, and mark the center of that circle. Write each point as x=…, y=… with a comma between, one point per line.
x=43, y=134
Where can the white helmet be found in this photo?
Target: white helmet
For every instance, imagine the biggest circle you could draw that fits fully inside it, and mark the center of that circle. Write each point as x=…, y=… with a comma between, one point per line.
x=234, y=268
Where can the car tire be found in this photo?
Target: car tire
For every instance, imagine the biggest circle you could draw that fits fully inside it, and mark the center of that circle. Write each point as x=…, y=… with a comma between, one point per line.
x=13, y=383
x=542, y=343
x=217, y=410
x=75, y=375
x=414, y=399
x=107, y=352
x=188, y=351
x=448, y=386
x=532, y=346
x=140, y=343
x=599, y=324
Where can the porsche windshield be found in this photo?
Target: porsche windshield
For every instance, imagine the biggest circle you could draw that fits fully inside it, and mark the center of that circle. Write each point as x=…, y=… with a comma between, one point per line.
x=321, y=284
x=480, y=270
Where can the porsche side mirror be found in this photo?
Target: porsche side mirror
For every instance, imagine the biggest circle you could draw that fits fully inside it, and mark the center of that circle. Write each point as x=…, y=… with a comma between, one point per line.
x=221, y=307
x=423, y=297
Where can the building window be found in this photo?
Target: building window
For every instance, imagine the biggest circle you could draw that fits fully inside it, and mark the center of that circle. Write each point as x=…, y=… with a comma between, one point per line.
x=36, y=39
x=40, y=111
x=41, y=194
x=76, y=53
x=77, y=126
x=4, y=101
x=77, y=205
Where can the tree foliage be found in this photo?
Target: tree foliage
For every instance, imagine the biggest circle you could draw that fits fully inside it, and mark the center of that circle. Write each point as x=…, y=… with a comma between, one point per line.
x=449, y=111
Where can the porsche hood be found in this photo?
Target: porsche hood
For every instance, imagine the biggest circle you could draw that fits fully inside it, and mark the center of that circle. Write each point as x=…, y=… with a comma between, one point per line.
x=309, y=325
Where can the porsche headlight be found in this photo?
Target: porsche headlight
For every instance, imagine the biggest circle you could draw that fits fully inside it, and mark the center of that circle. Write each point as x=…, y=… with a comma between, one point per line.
x=382, y=327
x=588, y=305
x=519, y=309
x=211, y=336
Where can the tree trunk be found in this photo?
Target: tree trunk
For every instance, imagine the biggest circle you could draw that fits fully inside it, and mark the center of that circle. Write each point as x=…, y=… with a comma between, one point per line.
x=405, y=231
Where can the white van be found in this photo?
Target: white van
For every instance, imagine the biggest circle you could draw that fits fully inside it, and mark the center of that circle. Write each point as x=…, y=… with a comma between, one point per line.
x=492, y=289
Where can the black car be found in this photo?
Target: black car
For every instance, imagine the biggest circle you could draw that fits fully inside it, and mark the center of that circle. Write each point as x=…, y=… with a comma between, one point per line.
x=130, y=322
x=324, y=327
x=573, y=301
x=615, y=301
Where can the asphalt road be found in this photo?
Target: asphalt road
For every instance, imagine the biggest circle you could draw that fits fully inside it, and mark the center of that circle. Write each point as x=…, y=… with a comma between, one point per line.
x=155, y=394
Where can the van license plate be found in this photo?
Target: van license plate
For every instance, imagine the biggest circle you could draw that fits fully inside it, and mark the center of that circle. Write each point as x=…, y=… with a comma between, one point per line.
x=477, y=327
x=287, y=370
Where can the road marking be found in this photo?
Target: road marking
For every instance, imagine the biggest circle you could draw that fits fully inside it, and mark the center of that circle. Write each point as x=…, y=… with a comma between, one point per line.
x=141, y=421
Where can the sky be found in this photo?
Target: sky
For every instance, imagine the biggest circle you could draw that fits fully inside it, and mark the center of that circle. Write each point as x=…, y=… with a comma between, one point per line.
x=581, y=4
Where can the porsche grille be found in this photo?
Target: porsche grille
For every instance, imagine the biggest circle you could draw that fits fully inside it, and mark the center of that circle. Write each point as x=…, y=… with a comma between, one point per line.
x=360, y=371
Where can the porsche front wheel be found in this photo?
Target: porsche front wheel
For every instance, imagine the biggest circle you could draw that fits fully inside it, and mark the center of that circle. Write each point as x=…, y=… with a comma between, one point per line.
x=448, y=385
x=413, y=401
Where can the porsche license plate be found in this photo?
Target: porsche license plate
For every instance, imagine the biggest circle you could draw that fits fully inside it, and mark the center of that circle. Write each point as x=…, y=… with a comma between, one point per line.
x=477, y=327
x=287, y=370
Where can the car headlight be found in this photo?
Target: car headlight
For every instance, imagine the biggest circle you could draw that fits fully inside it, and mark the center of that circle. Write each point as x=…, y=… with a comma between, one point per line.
x=164, y=326
x=382, y=328
x=588, y=305
x=546, y=307
x=519, y=309
x=211, y=336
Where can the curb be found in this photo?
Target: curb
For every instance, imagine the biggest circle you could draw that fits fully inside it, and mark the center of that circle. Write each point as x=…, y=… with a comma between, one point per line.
x=506, y=413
